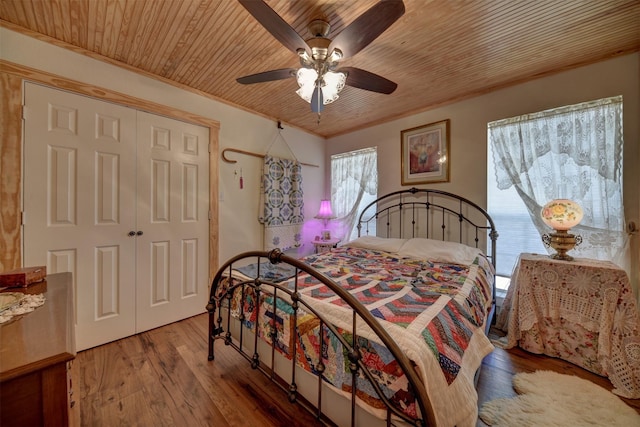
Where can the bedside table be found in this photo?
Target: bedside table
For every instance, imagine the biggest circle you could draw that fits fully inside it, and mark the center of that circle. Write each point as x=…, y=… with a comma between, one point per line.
x=325, y=245
x=582, y=311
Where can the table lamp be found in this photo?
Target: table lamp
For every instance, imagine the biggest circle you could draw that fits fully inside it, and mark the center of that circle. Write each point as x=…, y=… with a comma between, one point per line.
x=561, y=215
x=325, y=214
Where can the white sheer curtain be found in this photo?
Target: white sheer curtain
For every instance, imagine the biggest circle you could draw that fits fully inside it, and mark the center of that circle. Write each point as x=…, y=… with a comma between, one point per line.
x=354, y=175
x=573, y=152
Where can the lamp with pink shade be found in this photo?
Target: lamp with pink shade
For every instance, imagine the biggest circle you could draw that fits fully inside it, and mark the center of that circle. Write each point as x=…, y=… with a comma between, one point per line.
x=325, y=214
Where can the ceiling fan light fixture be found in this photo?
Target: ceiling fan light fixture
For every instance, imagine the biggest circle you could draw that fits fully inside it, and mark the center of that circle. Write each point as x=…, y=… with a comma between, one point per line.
x=335, y=56
x=319, y=56
x=332, y=83
x=305, y=59
x=306, y=78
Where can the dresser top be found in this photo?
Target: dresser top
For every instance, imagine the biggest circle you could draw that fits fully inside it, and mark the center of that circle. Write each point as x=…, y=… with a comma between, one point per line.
x=45, y=336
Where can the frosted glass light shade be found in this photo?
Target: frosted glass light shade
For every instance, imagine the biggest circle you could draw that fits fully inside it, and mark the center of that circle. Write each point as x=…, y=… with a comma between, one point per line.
x=332, y=84
x=561, y=214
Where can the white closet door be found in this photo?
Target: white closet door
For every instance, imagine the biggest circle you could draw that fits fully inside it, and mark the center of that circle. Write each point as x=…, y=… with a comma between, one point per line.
x=119, y=198
x=173, y=216
x=80, y=204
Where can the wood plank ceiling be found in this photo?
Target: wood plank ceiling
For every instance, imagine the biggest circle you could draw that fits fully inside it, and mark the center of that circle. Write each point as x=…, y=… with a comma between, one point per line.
x=440, y=51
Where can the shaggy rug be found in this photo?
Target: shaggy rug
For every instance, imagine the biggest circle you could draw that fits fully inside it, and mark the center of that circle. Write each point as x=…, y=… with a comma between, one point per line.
x=555, y=400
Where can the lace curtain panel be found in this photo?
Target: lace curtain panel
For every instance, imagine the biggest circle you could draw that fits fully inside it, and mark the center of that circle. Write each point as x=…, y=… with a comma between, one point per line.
x=353, y=175
x=573, y=152
x=281, y=203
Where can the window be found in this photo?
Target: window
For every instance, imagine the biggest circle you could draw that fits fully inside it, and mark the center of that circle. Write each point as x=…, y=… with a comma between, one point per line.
x=516, y=231
x=572, y=152
x=354, y=184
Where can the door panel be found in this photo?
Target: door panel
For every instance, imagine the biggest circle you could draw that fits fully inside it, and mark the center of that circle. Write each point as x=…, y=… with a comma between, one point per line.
x=173, y=209
x=120, y=198
x=79, y=207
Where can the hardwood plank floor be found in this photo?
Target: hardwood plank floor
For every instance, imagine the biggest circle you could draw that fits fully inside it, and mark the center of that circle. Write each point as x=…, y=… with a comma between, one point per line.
x=163, y=378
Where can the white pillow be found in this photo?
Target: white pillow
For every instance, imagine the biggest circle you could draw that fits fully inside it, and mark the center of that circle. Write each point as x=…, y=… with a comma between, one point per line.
x=439, y=251
x=391, y=245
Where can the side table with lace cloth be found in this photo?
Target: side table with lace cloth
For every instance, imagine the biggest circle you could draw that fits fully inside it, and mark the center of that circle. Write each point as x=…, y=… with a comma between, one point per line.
x=582, y=311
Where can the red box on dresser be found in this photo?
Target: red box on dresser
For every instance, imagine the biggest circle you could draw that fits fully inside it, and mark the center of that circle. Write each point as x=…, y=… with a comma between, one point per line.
x=22, y=277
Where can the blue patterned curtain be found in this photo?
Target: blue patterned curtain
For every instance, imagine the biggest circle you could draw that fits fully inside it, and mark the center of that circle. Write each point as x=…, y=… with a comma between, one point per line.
x=281, y=203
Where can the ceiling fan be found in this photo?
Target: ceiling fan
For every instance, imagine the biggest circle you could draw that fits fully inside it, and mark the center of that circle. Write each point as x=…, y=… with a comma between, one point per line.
x=319, y=77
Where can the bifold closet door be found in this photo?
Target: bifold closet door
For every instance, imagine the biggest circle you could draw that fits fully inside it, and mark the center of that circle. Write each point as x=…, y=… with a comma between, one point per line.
x=173, y=220
x=80, y=205
x=118, y=197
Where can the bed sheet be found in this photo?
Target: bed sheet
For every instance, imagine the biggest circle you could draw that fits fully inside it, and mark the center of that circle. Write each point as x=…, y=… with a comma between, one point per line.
x=435, y=311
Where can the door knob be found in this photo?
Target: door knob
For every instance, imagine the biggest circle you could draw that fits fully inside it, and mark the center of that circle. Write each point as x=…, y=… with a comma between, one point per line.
x=131, y=233
x=139, y=233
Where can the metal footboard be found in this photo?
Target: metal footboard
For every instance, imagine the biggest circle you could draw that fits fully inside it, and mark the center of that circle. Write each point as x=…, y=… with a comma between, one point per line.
x=220, y=324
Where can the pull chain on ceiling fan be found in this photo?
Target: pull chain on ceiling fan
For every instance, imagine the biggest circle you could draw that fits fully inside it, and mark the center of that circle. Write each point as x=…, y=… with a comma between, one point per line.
x=319, y=78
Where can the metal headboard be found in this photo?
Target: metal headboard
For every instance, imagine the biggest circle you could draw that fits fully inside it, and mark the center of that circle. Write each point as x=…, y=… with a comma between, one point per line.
x=434, y=214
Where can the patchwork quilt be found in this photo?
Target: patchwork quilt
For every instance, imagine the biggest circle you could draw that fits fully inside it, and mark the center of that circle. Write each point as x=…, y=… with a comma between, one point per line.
x=435, y=311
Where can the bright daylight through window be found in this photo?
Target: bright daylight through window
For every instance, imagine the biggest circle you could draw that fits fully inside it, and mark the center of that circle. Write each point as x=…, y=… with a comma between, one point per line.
x=572, y=152
x=354, y=184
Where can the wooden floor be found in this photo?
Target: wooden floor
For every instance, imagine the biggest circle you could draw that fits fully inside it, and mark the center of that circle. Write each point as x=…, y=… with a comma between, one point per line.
x=162, y=378
x=499, y=367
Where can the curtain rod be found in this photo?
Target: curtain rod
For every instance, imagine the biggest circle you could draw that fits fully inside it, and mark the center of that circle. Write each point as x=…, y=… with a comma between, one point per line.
x=249, y=153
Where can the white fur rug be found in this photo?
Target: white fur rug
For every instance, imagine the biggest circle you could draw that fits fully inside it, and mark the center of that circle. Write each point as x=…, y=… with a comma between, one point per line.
x=555, y=400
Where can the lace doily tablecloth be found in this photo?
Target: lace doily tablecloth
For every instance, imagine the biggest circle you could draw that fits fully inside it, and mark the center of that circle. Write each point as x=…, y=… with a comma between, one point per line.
x=582, y=311
x=15, y=303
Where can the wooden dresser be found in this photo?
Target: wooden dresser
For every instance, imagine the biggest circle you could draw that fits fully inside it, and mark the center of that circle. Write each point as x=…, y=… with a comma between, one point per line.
x=37, y=351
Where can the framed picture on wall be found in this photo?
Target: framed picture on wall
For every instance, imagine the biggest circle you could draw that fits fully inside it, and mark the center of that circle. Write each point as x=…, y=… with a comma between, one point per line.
x=425, y=153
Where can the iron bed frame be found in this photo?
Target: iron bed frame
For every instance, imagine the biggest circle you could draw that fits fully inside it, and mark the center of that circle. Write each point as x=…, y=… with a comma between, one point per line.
x=401, y=206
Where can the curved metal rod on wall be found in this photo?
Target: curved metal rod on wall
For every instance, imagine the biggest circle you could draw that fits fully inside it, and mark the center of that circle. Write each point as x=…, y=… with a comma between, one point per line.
x=249, y=153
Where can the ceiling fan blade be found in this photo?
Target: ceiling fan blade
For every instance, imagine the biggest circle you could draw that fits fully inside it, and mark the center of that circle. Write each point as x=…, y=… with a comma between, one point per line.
x=277, y=26
x=362, y=79
x=267, y=76
x=367, y=27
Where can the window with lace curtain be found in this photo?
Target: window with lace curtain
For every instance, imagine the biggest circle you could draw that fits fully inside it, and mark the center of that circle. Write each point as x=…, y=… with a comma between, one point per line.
x=572, y=152
x=354, y=184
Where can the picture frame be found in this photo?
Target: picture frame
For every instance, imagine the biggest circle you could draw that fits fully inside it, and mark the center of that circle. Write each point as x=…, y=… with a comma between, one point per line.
x=425, y=153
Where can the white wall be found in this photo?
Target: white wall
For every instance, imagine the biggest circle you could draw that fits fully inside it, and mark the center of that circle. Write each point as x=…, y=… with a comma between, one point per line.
x=239, y=227
x=469, y=118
